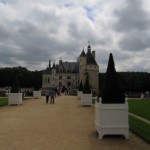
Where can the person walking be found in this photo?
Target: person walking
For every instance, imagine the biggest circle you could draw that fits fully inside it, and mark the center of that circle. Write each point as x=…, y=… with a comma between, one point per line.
x=52, y=95
x=142, y=96
x=47, y=95
x=147, y=95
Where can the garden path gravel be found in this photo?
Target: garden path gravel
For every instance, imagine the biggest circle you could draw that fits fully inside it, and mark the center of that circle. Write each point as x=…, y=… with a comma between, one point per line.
x=65, y=125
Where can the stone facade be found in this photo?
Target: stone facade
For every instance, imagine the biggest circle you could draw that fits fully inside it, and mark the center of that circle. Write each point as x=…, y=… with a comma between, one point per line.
x=62, y=74
x=71, y=73
x=88, y=66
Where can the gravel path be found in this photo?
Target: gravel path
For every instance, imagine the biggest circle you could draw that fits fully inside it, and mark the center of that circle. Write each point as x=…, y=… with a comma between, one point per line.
x=64, y=125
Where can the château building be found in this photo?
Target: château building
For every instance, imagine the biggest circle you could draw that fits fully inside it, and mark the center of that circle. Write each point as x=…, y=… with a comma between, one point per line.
x=62, y=74
x=71, y=73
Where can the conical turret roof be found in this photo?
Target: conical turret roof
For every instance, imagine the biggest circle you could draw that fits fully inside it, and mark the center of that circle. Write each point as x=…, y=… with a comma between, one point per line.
x=82, y=53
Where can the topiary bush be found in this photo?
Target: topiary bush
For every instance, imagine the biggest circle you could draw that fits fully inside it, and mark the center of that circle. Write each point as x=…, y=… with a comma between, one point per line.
x=111, y=91
x=36, y=88
x=15, y=86
x=87, y=88
x=80, y=86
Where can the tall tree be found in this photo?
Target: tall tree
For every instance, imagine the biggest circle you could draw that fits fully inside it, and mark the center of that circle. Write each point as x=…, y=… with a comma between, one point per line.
x=16, y=85
x=86, y=87
x=80, y=86
x=111, y=91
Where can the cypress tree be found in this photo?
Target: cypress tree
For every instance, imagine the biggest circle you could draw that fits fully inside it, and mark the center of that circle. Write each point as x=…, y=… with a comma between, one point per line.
x=36, y=88
x=111, y=91
x=15, y=86
x=80, y=86
x=86, y=88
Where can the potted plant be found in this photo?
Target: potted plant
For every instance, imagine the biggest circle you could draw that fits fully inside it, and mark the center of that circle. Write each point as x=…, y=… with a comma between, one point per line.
x=86, y=96
x=80, y=90
x=36, y=92
x=111, y=112
x=15, y=96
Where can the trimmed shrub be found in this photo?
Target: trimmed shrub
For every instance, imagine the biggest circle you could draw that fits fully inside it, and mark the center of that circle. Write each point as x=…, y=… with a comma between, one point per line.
x=86, y=88
x=36, y=88
x=111, y=91
x=80, y=86
x=15, y=86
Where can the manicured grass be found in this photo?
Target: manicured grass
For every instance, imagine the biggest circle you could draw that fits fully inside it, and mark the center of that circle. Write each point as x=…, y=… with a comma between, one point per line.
x=93, y=100
x=140, y=127
x=140, y=107
x=3, y=101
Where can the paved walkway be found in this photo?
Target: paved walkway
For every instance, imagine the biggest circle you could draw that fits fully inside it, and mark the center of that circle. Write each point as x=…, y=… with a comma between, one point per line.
x=64, y=125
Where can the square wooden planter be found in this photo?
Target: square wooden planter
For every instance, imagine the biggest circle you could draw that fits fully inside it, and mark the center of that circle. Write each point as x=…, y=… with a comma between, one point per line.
x=37, y=94
x=111, y=119
x=15, y=98
x=86, y=99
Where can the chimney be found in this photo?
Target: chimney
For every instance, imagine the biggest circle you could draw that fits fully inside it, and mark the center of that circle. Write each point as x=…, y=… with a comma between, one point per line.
x=93, y=53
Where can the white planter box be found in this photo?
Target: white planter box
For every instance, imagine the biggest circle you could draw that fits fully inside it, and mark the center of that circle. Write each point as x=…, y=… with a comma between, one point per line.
x=111, y=119
x=79, y=94
x=37, y=94
x=86, y=99
x=15, y=98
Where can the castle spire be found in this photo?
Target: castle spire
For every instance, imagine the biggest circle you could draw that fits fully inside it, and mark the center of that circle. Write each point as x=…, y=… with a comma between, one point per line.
x=54, y=65
x=49, y=63
x=89, y=47
x=82, y=53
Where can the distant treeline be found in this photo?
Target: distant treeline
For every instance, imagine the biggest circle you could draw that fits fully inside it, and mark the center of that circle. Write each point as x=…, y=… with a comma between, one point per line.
x=131, y=81
x=26, y=78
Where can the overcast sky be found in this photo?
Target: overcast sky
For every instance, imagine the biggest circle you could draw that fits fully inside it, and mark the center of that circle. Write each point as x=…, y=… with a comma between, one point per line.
x=34, y=31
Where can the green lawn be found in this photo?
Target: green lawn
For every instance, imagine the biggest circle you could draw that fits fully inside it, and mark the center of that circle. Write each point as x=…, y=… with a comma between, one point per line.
x=139, y=127
x=140, y=107
x=3, y=101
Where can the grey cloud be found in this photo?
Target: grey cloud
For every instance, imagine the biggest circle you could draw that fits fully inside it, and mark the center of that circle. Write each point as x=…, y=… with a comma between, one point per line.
x=34, y=33
x=132, y=17
x=87, y=34
x=135, y=41
x=4, y=33
x=134, y=25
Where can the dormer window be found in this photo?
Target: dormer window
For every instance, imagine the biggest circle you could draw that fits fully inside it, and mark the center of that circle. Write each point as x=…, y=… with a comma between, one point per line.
x=69, y=66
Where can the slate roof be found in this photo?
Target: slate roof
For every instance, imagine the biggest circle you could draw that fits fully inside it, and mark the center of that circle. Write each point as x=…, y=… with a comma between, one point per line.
x=83, y=53
x=89, y=56
x=90, y=59
x=70, y=65
x=47, y=71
